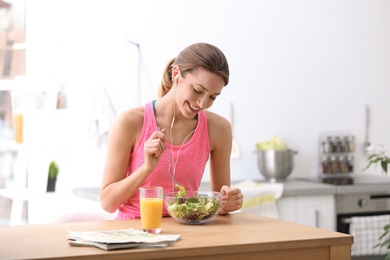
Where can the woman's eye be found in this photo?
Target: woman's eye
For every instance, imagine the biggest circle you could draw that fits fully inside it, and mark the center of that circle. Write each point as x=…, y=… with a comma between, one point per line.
x=196, y=90
x=200, y=92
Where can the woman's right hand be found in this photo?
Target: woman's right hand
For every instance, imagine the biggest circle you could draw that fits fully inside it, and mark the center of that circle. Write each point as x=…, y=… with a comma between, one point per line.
x=154, y=147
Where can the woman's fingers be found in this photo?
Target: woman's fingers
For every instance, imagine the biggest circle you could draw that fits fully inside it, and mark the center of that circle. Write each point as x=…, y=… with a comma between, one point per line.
x=155, y=146
x=232, y=199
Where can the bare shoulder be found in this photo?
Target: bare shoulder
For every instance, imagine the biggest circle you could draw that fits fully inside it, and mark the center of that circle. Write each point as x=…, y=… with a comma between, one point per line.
x=217, y=121
x=219, y=128
x=128, y=124
x=132, y=117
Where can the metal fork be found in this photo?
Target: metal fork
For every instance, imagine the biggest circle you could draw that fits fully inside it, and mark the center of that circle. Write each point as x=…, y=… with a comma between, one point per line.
x=169, y=162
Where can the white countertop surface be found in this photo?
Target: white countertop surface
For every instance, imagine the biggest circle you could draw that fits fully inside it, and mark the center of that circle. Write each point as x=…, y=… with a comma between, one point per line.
x=297, y=187
x=363, y=183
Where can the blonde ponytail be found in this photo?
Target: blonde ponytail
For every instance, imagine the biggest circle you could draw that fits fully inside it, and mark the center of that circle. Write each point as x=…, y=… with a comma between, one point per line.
x=166, y=81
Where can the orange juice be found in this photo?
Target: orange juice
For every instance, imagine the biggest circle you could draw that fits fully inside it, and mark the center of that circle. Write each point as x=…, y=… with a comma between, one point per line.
x=18, y=128
x=151, y=213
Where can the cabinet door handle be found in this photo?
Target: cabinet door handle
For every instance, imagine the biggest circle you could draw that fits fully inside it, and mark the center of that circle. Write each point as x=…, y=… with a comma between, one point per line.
x=317, y=218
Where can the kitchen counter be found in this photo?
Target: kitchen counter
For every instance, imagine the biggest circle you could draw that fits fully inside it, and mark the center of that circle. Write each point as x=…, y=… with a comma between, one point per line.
x=362, y=183
x=365, y=183
x=236, y=236
x=297, y=187
x=291, y=187
x=300, y=187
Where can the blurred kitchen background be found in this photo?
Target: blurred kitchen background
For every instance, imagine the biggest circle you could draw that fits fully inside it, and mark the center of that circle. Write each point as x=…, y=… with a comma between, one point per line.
x=299, y=69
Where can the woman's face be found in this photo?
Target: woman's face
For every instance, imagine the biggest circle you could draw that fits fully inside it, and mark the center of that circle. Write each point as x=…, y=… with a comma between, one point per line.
x=198, y=91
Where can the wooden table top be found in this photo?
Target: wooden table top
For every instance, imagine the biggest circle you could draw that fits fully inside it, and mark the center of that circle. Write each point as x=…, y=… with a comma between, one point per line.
x=227, y=237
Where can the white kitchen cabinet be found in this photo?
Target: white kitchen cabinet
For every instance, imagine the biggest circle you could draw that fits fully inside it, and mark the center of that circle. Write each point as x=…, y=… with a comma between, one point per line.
x=316, y=211
x=286, y=208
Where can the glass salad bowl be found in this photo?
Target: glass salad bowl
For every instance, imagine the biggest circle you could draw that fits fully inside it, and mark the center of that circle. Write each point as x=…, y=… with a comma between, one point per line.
x=193, y=207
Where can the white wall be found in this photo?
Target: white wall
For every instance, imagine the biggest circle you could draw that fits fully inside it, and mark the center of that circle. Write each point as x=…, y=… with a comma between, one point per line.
x=298, y=68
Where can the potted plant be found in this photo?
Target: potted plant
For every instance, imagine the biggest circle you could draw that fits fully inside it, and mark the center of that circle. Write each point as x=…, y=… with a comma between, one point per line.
x=383, y=160
x=52, y=177
x=380, y=158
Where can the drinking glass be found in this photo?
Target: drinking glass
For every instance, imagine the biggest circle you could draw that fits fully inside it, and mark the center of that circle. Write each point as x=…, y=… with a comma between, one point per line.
x=17, y=114
x=151, y=205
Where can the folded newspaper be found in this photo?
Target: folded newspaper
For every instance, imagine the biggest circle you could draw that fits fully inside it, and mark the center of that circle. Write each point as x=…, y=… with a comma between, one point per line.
x=121, y=239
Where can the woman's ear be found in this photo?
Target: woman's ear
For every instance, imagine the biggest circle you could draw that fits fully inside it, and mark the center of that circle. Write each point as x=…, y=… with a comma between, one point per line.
x=175, y=72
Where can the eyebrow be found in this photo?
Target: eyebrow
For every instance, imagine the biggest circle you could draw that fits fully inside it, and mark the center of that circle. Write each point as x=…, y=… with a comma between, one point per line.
x=200, y=85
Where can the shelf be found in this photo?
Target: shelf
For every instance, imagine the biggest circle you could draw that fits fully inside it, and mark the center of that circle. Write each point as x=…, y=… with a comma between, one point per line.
x=10, y=145
x=20, y=194
x=336, y=155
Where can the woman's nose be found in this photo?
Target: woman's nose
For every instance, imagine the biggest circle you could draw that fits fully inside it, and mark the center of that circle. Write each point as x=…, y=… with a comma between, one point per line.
x=202, y=102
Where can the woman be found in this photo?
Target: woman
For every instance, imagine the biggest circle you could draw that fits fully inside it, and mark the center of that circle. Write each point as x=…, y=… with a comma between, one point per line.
x=171, y=139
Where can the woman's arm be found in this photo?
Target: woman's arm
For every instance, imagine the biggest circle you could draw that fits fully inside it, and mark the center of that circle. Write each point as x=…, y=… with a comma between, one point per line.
x=116, y=188
x=221, y=145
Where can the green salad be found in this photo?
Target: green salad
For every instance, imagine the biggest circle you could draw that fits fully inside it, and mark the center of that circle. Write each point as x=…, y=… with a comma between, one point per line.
x=182, y=191
x=192, y=209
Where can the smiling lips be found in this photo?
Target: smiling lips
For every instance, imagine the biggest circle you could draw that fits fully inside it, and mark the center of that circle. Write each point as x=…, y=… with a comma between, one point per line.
x=193, y=108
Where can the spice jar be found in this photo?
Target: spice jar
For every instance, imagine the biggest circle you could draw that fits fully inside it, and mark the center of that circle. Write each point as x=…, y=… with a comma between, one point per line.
x=344, y=144
x=342, y=164
x=351, y=143
x=326, y=145
x=334, y=164
x=335, y=144
x=325, y=164
x=350, y=163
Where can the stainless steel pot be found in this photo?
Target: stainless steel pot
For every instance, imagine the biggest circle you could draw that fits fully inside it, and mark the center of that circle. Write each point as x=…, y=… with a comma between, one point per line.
x=275, y=165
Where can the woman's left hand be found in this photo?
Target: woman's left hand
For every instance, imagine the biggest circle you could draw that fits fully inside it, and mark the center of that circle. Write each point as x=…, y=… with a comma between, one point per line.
x=231, y=200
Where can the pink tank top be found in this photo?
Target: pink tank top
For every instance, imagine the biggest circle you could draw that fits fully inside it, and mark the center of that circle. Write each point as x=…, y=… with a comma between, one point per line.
x=190, y=166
